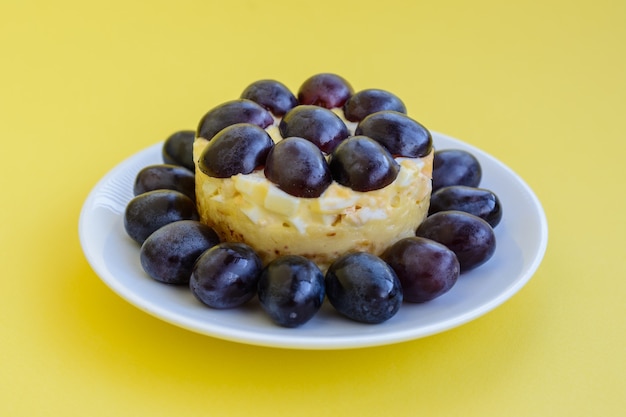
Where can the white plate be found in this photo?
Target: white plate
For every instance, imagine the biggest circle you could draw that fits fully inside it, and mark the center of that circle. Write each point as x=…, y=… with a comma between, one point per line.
x=522, y=237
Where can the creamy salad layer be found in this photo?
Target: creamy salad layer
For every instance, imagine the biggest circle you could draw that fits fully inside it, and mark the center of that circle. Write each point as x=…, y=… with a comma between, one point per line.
x=251, y=209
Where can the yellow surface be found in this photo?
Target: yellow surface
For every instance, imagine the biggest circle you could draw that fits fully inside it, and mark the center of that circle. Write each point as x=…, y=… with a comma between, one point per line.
x=541, y=85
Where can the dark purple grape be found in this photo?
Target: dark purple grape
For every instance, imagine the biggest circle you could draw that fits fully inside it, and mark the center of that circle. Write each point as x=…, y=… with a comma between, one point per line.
x=325, y=90
x=477, y=201
x=364, y=288
x=178, y=149
x=272, y=95
x=165, y=177
x=363, y=164
x=291, y=290
x=230, y=113
x=469, y=237
x=455, y=167
x=426, y=269
x=298, y=168
x=401, y=135
x=366, y=102
x=169, y=254
x=237, y=149
x=315, y=124
x=226, y=276
x=152, y=210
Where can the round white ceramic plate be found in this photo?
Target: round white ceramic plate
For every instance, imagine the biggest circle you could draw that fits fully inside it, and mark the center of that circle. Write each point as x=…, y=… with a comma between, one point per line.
x=521, y=243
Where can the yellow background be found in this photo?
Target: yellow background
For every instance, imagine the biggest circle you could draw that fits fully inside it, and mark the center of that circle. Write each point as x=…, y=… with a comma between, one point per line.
x=541, y=85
